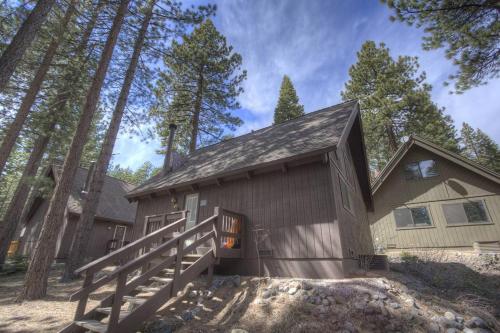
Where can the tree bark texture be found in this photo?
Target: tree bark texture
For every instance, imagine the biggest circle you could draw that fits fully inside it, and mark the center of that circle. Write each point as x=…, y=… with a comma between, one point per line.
x=90, y=204
x=195, y=121
x=35, y=285
x=22, y=40
x=15, y=127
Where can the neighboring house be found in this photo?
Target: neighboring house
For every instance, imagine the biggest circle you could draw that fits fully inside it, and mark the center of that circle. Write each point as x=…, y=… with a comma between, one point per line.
x=114, y=219
x=302, y=187
x=427, y=197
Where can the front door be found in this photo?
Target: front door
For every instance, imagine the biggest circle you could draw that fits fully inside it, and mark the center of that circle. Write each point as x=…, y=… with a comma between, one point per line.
x=192, y=207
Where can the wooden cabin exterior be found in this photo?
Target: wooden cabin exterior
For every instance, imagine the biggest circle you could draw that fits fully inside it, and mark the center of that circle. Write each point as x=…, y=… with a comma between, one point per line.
x=114, y=221
x=302, y=187
x=430, y=198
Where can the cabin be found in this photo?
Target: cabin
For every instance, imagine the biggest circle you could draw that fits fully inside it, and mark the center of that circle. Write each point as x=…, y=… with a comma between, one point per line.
x=114, y=221
x=288, y=200
x=429, y=198
x=301, y=188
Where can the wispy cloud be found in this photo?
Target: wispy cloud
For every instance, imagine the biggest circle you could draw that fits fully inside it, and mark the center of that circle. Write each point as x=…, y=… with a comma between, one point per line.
x=315, y=43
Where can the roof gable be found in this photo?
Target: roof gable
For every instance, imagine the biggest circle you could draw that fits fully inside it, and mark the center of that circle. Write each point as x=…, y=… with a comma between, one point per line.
x=435, y=149
x=314, y=133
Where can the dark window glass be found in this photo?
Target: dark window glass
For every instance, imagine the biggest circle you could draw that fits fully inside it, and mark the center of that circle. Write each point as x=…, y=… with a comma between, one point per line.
x=428, y=168
x=412, y=217
x=466, y=212
x=420, y=170
x=412, y=171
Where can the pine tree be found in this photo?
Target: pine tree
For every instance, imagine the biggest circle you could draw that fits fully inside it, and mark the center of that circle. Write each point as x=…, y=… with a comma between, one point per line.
x=470, y=31
x=479, y=147
x=35, y=285
x=203, y=76
x=144, y=172
x=288, y=106
x=22, y=40
x=395, y=102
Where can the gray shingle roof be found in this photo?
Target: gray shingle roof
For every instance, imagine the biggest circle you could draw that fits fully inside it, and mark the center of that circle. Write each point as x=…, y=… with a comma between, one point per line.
x=312, y=132
x=112, y=204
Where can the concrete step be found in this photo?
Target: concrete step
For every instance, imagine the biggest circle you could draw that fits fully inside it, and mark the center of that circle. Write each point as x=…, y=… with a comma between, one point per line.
x=92, y=325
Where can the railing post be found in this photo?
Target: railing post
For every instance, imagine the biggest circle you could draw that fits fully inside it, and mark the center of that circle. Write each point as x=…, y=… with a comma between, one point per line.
x=82, y=303
x=178, y=266
x=117, y=302
x=217, y=230
x=242, y=236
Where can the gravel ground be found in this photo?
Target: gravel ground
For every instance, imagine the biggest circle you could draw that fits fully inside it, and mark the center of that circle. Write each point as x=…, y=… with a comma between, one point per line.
x=47, y=315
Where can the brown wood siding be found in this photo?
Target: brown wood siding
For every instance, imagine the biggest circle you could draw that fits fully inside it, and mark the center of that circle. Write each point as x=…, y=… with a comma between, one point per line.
x=454, y=184
x=296, y=208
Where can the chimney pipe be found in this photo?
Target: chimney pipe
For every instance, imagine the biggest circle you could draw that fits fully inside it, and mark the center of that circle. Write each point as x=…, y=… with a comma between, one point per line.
x=167, y=165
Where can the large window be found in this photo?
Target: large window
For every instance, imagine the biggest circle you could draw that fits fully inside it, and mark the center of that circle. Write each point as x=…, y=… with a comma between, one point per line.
x=465, y=212
x=421, y=170
x=412, y=217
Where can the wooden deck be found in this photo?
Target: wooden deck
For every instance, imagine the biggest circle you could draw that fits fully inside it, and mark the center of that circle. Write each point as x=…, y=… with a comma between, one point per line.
x=153, y=269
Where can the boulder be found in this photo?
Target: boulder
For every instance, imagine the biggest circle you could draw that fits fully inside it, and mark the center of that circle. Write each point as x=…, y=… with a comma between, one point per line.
x=450, y=315
x=476, y=322
x=292, y=291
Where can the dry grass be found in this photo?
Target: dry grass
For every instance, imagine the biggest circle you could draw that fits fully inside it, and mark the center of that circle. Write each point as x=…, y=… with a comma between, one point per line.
x=47, y=315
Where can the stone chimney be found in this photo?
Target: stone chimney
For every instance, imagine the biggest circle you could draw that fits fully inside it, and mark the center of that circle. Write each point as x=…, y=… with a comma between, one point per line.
x=88, y=180
x=167, y=164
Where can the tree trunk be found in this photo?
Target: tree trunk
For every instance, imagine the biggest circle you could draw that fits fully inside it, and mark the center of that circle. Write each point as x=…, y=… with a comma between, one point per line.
x=35, y=285
x=14, y=211
x=391, y=136
x=195, y=121
x=14, y=129
x=22, y=40
x=90, y=204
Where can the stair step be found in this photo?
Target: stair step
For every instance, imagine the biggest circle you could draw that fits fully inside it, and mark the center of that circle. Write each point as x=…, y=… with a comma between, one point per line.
x=92, y=325
x=148, y=289
x=192, y=256
x=134, y=300
x=161, y=279
x=107, y=311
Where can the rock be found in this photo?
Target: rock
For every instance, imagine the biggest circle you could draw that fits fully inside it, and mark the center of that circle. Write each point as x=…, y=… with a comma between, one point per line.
x=159, y=326
x=340, y=299
x=187, y=315
x=452, y=330
x=306, y=285
x=238, y=330
x=193, y=294
x=325, y=302
x=331, y=299
x=295, y=284
x=359, y=305
x=476, y=330
x=450, y=315
x=266, y=294
x=200, y=300
x=235, y=281
x=476, y=322
x=394, y=305
x=322, y=295
x=459, y=319
x=348, y=326
x=433, y=328
x=446, y=323
x=208, y=294
x=292, y=291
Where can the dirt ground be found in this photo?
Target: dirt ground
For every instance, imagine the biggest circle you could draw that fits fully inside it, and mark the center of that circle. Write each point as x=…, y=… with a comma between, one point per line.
x=406, y=299
x=47, y=315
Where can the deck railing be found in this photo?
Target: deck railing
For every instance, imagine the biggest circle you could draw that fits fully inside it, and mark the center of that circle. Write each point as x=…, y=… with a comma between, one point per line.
x=223, y=230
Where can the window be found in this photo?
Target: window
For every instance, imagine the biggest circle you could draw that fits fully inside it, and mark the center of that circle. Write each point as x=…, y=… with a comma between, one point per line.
x=465, y=212
x=412, y=217
x=346, y=195
x=421, y=170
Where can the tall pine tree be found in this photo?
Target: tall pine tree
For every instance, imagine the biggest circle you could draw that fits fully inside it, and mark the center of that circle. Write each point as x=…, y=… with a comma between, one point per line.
x=199, y=86
x=395, y=102
x=288, y=106
x=479, y=147
x=469, y=30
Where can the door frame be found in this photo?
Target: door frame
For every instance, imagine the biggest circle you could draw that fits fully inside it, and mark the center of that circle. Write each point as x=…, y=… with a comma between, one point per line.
x=124, y=233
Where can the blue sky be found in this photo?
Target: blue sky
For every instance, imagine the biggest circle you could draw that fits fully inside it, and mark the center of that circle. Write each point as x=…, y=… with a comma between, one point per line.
x=315, y=43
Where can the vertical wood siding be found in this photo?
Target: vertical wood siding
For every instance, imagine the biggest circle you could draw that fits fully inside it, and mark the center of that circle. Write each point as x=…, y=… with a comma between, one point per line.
x=454, y=184
x=296, y=208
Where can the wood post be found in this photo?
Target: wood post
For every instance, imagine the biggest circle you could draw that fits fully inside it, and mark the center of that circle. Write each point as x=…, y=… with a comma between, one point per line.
x=178, y=266
x=217, y=230
x=82, y=303
x=117, y=302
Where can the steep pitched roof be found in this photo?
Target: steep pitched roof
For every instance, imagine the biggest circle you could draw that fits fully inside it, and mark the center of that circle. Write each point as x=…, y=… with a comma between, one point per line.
x=425, y=144
x=315, y=132
x=112, y=206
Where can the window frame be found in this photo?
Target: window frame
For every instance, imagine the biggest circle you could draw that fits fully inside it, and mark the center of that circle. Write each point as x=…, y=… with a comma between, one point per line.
x=421, y=176
x=468, y=224
x=428, y=210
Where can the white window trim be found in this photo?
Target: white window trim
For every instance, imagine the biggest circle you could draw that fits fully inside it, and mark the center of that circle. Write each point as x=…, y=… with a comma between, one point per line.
x=427, y=207
x=467, y=224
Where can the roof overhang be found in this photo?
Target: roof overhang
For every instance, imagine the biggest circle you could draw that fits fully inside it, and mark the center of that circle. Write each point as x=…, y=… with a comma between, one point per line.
x=427, y=145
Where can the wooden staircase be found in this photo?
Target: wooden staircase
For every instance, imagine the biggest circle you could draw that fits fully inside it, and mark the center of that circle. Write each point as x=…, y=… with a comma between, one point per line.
x=147, y=277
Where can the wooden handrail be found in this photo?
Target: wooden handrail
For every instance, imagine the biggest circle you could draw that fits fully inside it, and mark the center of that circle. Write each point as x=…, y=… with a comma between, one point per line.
x=130, y=248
